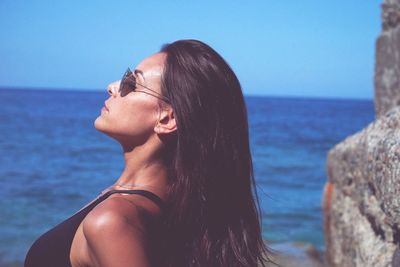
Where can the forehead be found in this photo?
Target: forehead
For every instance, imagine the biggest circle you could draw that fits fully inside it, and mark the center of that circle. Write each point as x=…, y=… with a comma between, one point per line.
x=152, y=65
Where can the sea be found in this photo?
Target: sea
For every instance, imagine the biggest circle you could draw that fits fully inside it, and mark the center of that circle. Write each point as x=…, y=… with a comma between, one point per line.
x=53, y=161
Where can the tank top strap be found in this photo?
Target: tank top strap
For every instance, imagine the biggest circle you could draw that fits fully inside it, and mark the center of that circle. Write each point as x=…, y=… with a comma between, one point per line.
x=153, y=197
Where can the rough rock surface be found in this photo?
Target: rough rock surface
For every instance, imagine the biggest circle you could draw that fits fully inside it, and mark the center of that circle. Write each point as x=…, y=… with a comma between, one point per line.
x=362, y=196
x=387, y=61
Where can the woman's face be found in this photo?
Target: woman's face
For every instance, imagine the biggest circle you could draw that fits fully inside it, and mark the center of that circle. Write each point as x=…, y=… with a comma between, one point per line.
x=131, y=118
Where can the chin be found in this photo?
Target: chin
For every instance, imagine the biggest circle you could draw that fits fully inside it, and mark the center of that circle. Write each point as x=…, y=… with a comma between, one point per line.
x=102, y=126
x=99, y=125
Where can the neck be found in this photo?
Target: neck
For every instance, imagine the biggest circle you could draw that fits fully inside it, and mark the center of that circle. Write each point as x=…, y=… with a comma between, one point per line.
x=144, y=169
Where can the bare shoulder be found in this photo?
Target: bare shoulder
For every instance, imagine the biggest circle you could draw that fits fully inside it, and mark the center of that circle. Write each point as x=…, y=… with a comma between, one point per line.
x=112, y=215
x=116, y=231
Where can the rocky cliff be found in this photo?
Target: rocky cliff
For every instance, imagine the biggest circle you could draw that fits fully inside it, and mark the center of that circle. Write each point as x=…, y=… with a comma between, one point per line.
x=362, y=195
x=387, y=67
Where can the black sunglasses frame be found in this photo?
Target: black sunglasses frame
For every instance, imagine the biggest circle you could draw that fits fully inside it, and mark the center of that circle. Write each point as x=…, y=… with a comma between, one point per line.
x=128, y=84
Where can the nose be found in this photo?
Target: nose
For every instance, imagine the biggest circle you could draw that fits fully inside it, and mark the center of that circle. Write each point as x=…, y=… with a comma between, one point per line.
x=112, y=88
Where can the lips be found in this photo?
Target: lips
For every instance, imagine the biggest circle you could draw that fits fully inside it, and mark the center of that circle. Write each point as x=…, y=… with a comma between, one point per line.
x=105, y=107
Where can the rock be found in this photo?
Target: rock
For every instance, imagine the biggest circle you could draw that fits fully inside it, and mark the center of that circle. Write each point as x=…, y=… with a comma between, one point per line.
x=362, y=198
x=387, y=64
x=396, y=258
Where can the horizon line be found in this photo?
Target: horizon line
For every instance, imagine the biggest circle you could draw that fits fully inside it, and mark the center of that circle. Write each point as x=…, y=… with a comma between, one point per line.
x=94, y=90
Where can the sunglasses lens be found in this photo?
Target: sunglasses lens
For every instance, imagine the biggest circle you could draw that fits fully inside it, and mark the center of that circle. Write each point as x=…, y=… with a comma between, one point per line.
x=128, y=83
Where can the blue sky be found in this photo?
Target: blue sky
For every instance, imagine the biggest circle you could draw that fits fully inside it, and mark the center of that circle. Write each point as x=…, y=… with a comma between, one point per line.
x=304, y=48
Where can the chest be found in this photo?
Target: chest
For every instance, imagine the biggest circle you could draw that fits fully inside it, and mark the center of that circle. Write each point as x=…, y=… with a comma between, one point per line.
x=53, y=248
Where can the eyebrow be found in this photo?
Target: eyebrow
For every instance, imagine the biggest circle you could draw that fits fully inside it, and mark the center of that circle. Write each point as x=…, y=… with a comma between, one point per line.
x=136, y=71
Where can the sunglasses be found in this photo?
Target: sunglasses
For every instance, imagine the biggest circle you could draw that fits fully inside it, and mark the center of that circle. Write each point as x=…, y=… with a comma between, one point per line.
x=129, y=84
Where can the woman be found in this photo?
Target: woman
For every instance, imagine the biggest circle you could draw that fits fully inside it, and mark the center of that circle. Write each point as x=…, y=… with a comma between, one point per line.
x=185, y=195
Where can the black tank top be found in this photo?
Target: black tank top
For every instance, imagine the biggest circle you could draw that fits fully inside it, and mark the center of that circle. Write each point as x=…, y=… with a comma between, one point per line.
x=53, y=248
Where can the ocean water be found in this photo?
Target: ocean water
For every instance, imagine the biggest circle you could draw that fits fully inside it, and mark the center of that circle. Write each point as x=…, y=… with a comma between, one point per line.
x=53, y=161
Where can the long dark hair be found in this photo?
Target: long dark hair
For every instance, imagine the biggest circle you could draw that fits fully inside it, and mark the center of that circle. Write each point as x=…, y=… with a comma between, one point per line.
x=213, y=217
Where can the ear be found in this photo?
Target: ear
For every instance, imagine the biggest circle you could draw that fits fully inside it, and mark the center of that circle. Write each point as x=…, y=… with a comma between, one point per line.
x=166, y=122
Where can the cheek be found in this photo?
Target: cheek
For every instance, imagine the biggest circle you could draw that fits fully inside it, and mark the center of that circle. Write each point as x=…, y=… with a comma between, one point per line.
x=135, y=119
